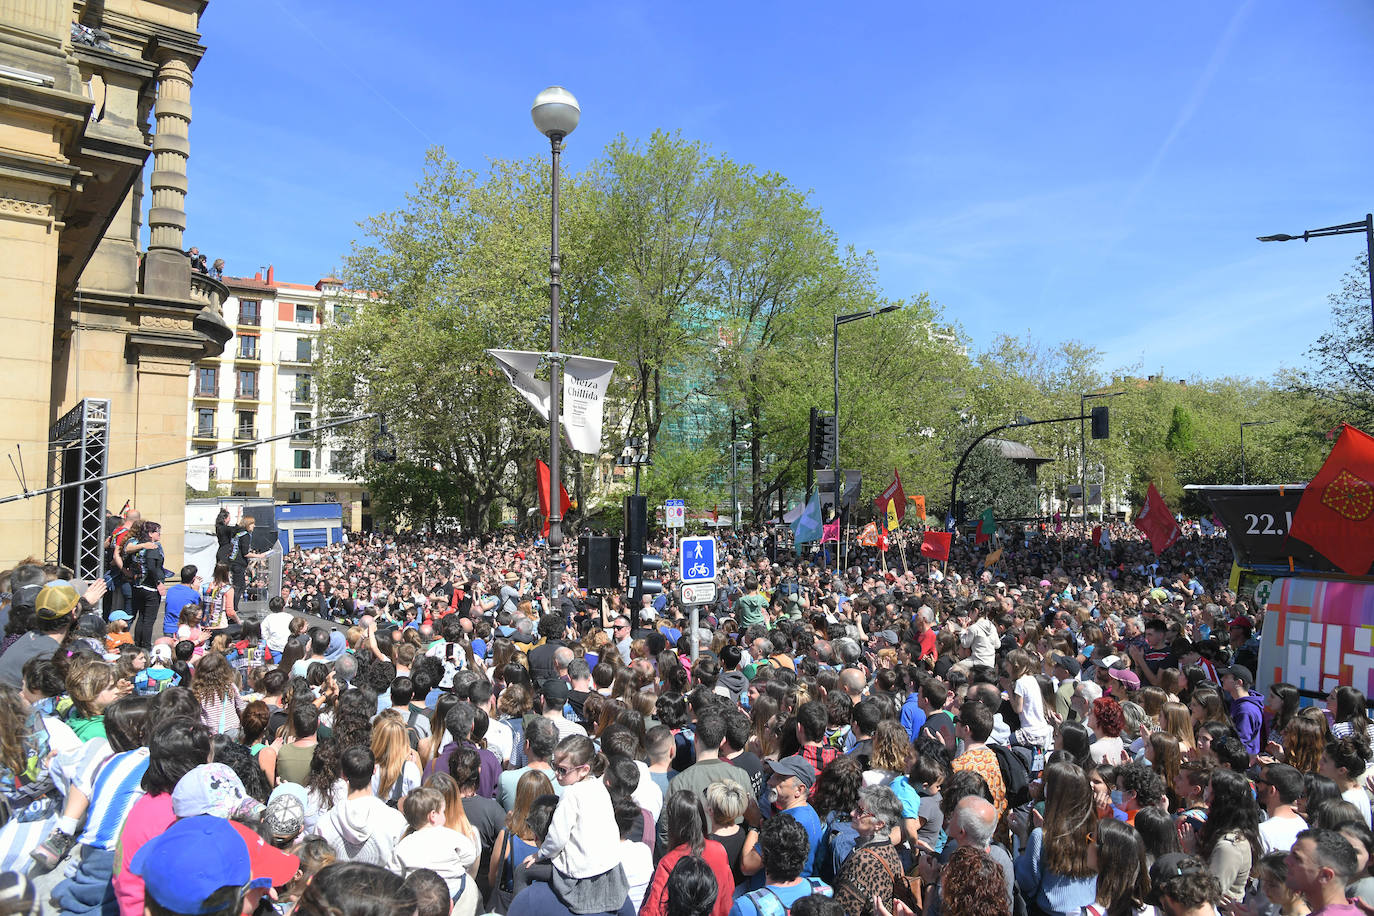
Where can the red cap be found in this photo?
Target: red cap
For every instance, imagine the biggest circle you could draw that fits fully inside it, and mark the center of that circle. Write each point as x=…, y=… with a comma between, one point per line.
x=267, y=861
x=1241, y=621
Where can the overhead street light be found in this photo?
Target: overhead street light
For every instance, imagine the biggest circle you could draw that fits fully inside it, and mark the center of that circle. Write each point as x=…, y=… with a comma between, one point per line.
x=835, y=361
x=1365, y=225
x=1083, y=400
x=555, y=113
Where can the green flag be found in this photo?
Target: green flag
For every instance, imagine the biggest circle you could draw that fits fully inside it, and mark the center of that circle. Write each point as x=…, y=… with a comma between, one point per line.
x=987, y=526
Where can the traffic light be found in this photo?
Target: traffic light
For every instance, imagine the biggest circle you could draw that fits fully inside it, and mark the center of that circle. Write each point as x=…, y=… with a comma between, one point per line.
x=647, y=582
x=823, y=441
x=1100, y=422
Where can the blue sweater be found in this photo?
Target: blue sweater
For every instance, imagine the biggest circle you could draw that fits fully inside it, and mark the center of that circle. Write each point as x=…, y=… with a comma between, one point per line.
x=1057, y=894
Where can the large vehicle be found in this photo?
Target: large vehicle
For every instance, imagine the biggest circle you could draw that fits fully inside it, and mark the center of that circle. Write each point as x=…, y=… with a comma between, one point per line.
x=1318, y=622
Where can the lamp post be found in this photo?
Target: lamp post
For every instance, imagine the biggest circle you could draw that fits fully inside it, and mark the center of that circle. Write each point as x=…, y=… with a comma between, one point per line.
x=1365, y=225
x=1242, y=443
x=1083, y=400
x=835, y=365
x=555, y=113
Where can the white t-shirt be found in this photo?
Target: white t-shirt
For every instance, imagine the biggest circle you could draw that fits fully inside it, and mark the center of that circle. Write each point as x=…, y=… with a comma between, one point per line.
x=1035, y=728
x=276, y=630
x=1358, y=797
x=1278, y=834
x=638, y=863
x=1106, y=751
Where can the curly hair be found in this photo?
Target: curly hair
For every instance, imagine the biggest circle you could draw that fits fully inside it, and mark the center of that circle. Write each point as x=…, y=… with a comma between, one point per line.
x=214, y=678
x=1108, y=716
x=837, y=789
x=783, y=846
x=1304, y=740
x=891, y=747
x=973, y=886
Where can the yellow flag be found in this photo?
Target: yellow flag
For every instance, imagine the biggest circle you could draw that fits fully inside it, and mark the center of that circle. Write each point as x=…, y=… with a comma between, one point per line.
x=992, y=558
x=892, y=520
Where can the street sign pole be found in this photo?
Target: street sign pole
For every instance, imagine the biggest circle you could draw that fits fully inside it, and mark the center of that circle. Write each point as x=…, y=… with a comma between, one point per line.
x=696, y=635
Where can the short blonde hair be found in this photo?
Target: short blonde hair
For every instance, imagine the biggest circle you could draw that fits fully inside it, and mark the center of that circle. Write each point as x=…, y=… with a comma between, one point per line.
x=726, y=800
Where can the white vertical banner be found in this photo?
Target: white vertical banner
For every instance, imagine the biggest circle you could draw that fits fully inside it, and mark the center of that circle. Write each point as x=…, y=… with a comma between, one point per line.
x=198, y=474
x=584, y=398
x=584, y=392
x=519, y=367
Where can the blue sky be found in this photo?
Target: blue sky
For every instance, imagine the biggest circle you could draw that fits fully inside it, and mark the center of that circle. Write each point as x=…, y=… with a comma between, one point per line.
x=1094, y=171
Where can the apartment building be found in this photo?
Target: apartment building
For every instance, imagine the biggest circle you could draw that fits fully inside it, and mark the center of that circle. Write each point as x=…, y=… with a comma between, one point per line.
x=263, y=385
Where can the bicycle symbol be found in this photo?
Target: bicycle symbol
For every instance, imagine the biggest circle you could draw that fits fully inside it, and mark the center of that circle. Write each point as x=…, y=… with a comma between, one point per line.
x=698, y=571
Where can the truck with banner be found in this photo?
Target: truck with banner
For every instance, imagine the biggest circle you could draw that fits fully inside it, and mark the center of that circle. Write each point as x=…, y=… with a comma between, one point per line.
x=1318, y=630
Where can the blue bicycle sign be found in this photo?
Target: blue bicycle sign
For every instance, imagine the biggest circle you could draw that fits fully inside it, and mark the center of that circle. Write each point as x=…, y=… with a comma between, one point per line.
x=697, y=559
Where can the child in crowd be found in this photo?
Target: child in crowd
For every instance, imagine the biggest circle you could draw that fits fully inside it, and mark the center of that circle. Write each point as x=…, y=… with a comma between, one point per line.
x=583, y=842
x=430, y=844
x=117, y=632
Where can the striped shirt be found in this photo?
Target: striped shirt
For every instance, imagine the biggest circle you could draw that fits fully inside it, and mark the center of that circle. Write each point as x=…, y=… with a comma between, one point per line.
x=117, y=786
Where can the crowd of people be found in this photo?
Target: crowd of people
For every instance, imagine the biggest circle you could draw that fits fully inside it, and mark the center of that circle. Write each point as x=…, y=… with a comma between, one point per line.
x=421, y=726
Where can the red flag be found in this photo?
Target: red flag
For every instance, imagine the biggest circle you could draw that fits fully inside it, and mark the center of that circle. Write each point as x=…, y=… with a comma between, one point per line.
x=1334, y=515
x=831, y=532
x=882, y=540
x=1096, y=535
x=1157, y=522
x=935, y=545
x=891, y=502
x=544, y=496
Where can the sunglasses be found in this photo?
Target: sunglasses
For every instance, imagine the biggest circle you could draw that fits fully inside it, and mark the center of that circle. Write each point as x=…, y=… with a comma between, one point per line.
x=560, y=770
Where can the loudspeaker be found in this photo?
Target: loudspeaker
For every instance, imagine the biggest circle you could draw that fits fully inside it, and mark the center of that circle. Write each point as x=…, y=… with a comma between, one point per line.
x=636, y=524
x=598, y=562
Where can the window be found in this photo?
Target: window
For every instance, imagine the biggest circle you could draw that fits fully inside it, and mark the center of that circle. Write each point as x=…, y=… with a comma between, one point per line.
x=305, y=314
x=205, y=422
x=340, y=462
x=302, y=459
x=302, y=349
x=343, y=315
x=245, y=464
x=294, y=496
x=250, y=312
x=207, y=381
x=302, y=394
x=248, y=347
x=302, y=423
x=248, y=422
x=248, y=383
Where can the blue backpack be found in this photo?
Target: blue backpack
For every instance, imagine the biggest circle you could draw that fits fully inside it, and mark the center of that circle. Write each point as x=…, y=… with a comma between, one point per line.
x=768, y=903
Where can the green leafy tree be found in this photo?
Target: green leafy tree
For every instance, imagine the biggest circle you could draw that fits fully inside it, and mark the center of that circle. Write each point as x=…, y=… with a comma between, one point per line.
x=1340, y=369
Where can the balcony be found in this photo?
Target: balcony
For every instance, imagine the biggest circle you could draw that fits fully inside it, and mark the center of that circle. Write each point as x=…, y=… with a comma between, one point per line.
x=321, y=476
x=293, y=358
x=249, y=356
x=245, y=475
x=206, y=394
x=246, y=394
x=204, y=434
x=249, y=319
x=302, y=399
x=245, y=433
x=302, y=435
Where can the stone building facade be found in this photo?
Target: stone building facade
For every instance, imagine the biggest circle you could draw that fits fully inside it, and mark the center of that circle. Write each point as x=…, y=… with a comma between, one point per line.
x=89, y=90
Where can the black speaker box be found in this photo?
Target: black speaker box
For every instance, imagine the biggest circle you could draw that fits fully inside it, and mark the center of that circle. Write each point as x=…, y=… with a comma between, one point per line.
x=598, y=562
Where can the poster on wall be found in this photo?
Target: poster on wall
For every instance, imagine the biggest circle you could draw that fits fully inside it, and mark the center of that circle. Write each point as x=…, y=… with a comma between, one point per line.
x=1318, y=634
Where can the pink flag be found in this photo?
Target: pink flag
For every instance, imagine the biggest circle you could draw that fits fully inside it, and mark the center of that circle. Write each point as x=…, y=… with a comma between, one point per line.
x=831, y=532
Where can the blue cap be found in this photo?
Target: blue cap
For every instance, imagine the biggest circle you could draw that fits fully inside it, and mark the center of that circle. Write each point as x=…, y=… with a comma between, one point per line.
x=189, y=861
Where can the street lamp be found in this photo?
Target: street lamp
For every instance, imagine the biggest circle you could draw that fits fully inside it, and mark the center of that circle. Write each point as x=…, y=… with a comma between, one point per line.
x=1242, y=443
x=1083, y=400
x=835, y=363
x=1365, y=225
x=555, y=113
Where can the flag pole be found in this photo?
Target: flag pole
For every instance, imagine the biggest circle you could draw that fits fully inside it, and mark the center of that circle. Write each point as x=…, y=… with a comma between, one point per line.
x=903, y=551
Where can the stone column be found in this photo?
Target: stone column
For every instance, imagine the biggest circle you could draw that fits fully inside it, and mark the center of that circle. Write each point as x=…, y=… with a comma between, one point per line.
x=166, y=270
x=28, y=268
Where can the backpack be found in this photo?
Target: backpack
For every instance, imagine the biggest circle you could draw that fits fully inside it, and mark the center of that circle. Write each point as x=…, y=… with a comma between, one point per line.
x=768, y=903
x=412, y=732
x=1015, y=765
